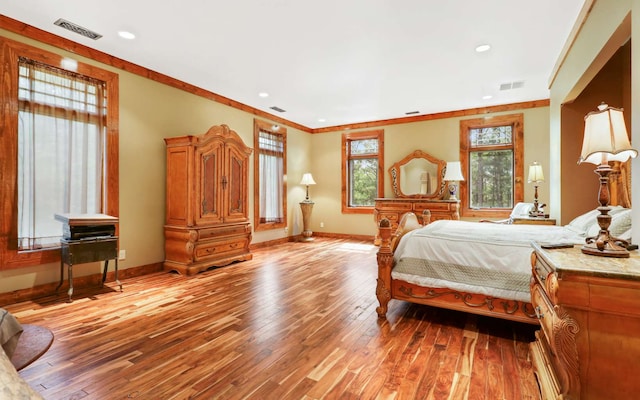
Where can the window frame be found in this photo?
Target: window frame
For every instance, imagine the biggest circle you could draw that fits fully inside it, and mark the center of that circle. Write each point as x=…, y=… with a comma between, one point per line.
x=10, y=257
x=259, y=125
x=347, y=137
x=516, y=121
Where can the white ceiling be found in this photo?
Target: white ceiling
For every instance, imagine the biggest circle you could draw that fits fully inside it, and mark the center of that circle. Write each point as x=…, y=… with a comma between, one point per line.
x=344, y=61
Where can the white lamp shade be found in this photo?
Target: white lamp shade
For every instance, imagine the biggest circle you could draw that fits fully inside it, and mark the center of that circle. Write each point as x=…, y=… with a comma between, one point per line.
x=307, y=179
x=605, y=137
x=535, y=173
x=453, y=172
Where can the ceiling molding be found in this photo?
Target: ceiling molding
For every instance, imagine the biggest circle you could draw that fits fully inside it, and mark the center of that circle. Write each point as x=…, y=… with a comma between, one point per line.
x=447, y=114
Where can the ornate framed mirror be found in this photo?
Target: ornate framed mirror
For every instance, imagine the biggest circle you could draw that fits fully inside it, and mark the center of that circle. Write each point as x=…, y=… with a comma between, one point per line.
x=418, y=175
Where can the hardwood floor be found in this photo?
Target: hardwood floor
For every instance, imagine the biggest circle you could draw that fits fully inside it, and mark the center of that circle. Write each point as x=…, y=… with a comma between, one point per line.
x=296, y=322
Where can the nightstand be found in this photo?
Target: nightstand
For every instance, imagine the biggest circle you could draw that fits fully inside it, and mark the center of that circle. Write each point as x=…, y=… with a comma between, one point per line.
x=533, y=220
x=588, y=345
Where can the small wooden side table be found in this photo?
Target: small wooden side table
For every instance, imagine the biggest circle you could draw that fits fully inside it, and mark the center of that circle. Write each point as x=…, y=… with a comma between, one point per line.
x=85, y=251
x=533, y=221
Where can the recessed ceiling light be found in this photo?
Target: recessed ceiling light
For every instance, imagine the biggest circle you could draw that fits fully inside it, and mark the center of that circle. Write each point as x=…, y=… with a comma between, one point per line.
x=487, y=97
x=321, y=120
x=483, y=47
x=126, y=35
x=263, y=94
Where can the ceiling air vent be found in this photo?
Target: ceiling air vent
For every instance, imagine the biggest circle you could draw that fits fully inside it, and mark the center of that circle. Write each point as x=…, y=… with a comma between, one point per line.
x=512, y=85
x=63, y=23
x=278, y=109
x=412, y=112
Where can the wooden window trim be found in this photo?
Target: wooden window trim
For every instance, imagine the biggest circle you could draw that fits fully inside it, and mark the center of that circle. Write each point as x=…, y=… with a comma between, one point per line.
x=517, y=123
x=282, y=131
x=10, y=51
x=346, y=137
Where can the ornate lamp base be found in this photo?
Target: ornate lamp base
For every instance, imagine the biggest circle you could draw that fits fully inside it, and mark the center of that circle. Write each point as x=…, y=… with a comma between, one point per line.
x=306, y=206
x=452, y=191
x=604, y=244
x=610, y=249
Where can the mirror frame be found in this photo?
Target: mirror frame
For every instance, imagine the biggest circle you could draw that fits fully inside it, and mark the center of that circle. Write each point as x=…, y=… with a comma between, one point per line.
x=395, y=169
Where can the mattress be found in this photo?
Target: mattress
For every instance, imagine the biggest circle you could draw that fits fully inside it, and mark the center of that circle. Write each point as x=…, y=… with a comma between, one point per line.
x=484, y=258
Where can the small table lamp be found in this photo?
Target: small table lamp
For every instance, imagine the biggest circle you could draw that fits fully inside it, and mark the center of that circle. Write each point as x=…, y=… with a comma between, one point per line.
x=307, y=206
x=605, y=139
x=453, y=175
x=536, y=176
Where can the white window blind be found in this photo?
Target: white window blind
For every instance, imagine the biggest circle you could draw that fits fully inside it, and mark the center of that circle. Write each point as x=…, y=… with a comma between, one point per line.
x=61, y=132
x=271, y=158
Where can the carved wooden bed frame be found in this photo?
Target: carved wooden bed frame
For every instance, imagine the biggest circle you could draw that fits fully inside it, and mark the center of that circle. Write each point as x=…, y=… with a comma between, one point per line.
x=389, y=288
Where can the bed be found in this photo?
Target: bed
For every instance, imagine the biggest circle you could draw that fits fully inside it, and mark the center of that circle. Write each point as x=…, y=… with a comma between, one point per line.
x=475, y=267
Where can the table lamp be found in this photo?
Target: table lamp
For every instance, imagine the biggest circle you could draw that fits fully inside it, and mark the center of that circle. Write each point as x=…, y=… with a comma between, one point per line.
x=605, y=139
x=536, y=176
x=307, y=206
x=453, y=175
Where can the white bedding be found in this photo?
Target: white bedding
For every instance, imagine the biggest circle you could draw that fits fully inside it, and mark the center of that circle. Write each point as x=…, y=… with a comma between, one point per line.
x=474, y=257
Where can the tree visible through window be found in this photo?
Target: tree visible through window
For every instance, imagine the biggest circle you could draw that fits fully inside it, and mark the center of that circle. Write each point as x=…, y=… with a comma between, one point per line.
x=491, y=171
x=491, y=155
x=362, y=164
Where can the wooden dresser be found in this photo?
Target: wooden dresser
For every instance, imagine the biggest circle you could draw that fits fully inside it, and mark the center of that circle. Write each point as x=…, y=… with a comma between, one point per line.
x=394, y=208
x=207, y=222
x=588, y=346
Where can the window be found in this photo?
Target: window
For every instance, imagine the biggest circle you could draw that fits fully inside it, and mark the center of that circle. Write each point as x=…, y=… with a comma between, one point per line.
x=362, y=166
x=270, y=170
x=491, y=153
x=61, y=122
x=60, y=144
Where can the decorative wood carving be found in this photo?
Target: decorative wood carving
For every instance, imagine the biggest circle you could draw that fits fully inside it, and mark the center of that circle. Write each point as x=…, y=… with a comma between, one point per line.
x=589, y=312
x=565, y=329
x=385, y=260
x=434, y=166
x=427, y=210
x=388, y=288
x=207, y=201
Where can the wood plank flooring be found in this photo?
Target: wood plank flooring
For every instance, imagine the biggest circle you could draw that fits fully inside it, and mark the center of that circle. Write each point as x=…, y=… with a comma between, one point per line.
x=296, y=322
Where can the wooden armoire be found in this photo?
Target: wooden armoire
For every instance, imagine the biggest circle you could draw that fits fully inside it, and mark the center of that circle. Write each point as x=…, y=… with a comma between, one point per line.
x=207, y=221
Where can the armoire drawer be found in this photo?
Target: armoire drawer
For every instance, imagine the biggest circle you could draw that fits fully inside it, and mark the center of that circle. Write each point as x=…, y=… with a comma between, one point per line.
x=207, y=250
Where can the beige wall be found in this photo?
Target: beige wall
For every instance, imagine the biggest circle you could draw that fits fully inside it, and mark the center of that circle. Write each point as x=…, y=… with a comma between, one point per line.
x=580, y=186
x=150, y=111
x=607, y=27
x=440, y=138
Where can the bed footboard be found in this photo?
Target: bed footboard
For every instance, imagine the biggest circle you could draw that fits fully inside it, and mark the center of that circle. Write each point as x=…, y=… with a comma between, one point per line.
x=387, y=288
x=385, y=262
x=388, y=244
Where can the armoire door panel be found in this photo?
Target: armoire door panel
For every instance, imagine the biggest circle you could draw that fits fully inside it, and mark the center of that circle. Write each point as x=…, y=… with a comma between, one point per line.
x=177, y=212
x=209, y=175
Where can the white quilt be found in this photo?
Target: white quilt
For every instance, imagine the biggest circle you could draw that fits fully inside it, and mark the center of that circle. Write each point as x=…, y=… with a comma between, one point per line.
x=475, y=257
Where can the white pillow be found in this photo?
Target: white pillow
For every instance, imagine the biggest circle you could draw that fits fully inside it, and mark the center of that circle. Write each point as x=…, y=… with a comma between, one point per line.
x=626, y=235
x=620, y=223
x=583, y=223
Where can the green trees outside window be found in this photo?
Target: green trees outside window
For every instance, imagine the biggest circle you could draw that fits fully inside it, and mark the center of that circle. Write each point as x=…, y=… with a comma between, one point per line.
x=362, y=166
